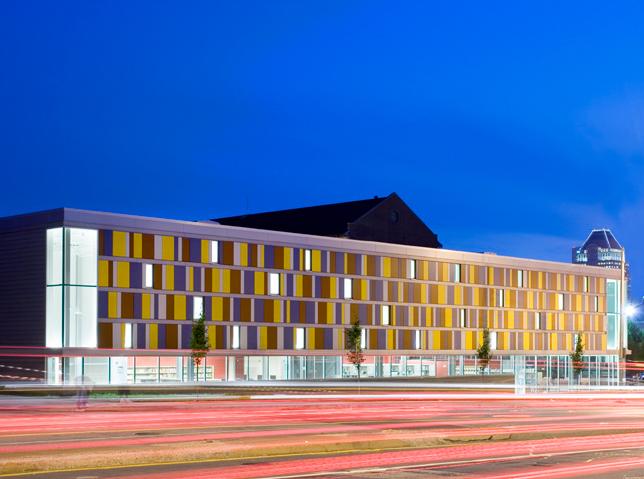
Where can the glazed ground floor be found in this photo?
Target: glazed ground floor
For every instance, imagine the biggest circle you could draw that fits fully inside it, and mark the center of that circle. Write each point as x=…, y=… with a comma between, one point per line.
x=548, y=370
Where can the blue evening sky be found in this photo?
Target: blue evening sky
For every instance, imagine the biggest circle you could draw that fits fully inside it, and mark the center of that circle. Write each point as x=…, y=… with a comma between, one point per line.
x=507, y=127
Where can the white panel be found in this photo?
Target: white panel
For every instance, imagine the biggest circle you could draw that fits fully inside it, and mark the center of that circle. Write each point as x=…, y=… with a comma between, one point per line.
x=80, y=317
x=214, y=251
x=197, y=307
x=274, y=283
x=55, y=256
x=54, y=317
x=348, y=288
x=299, y=338
x=81, y=256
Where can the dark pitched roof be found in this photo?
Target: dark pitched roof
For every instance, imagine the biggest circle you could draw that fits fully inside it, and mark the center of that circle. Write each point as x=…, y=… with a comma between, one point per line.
x=322, y=220
x=602, y=238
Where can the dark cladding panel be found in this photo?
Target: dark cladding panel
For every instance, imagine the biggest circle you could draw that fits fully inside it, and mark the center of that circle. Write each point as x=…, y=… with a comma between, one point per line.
x=22, y=287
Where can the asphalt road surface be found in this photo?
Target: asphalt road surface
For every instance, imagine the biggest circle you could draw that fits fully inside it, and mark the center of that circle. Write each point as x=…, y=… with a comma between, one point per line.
x=371, y=436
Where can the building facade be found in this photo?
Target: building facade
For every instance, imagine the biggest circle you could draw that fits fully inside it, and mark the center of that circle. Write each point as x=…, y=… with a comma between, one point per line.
x=113, y=298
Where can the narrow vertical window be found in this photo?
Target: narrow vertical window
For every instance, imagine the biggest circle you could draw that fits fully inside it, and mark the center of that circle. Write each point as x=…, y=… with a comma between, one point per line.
x=493, y=339
x=348, y=287
x=363, y=339
x=412, y=269
x=519, y=279
x=500, y=298
x=214, y=251
x=386, y=312
x=537, y=320
x=299, y=338
x=197, y=307
x=307, y=260
x=274, y=284
x=585, y=284
x=417, y=340
x=127, y=339
x=462, y=317
x=560, y=301
x=596, y=304
x=457, y=273
x=148, y=276
x=235, y=339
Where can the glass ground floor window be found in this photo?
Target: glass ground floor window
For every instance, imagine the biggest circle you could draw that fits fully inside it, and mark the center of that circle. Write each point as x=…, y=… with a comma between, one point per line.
x=549, y=371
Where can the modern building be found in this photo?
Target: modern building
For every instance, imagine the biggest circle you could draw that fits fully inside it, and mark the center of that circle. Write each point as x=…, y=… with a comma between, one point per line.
x=113, y=297
x=602, y=249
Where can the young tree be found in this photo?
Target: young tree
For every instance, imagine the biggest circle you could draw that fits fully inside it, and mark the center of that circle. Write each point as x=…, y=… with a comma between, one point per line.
x=199, y=341
x=483, y=351
x=577, y=356
x=354, y=346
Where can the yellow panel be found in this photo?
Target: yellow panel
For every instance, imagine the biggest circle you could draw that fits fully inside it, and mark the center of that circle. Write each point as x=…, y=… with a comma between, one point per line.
x=469, y=340
x=526, y=341
x=363, y=289
x=212, y=337
x=490, y=275
x=298, y=285
x=167, y=248
x=169, y=277
x=553, y=342
x=330, y=313
x=112, y=305
x=259, y=282
x=316, y=260
x=216, y=281
x=191, y=284
x=263, y=336
x=437, y=339
x=154, y=336
x=310, y=338
x=391, y=339
x=277, y=311
x=179, y=306
x=119, y=243
x=243, y=254
x=333, y=288
x=122, y=274
x=510, y=320
x=423, y=294
x=288, y=255
x=287, y=308
x=122, y=335
x=386, y=267
x=604, y=342
x=442, y=294
x=448, y=317
x=103, y=273
x=217, y=308
x=146, y=303
x=205, y=256
x=458, y=295
x=475, y=296
x=138, y=246
x=226, y=281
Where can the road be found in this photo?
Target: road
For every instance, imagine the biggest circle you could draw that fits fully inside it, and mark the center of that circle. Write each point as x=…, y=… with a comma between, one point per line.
x=400, y=436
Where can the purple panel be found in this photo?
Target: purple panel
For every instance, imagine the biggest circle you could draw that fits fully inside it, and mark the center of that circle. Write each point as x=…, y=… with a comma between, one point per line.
x=382, y=339
x=195, y=250
x=140, y=336
x=138, y=298
x=207, y=308
x=310, y=312
x=328, y=338
x=179, y=278
x=296, y=259
x=186, y=333
x=252, y=337
x=259, y=311
x=339, y=263
x=236, y=310
x=288, y=338
x=362, y=313
x=162, y=336
x=457, y=340
x=358, y=262
x=196, y=279
x=318, y=287
x=249, y=282
x=295, y=311
x=177, y=242
x=269, y=257
x=107, y=242
x=289, y=284
x=136, y=275
x=324, y=258
x=190, y=307
x=338, y=313
x=102, y=304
